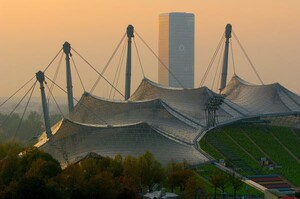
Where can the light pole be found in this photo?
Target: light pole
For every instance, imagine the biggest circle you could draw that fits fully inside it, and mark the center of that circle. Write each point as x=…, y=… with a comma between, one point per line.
x=211, y=107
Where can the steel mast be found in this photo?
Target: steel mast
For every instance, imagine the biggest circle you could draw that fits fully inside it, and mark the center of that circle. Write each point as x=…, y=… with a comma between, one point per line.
x=130, y=30
x=225, y=60
x=67, y=50
x=41, y=78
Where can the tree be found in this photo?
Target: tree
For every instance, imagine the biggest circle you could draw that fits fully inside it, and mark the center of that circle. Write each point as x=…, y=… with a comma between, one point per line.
x=43, y=169
x=127, y=188
x=116, y=166
x=150, y=169
x=33, y=154
x=9, y=161
x=192, y=186
x=90, y=167
x=215, y=181
x=180, y=176
x=8, y=168
x=31, y=126
x=9, y=125
x=219, y=180
x=102, y=185
x=72, y=180
x=131, y=169
x=31, y=187
x=235, y=182
x=172, y=174
x=223, y=182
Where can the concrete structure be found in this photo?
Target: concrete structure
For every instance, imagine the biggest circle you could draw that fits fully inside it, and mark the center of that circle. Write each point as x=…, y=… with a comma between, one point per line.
x=176, y=49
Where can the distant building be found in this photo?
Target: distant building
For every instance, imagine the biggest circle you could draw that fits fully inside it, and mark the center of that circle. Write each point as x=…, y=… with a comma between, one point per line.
x=176, y=49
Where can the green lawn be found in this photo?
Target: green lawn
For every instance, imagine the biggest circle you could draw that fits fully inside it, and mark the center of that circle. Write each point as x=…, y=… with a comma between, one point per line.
x=233, y=142
x=207, y=170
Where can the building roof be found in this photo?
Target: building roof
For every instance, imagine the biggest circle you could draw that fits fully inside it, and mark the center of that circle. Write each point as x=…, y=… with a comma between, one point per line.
x=165, y=121
x=73, y=141
x=261, y=99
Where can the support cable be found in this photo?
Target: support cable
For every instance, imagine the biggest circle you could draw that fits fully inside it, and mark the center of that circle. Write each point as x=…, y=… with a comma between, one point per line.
x=120, y=68
x=25, y=109
x=18, y=104
x=32, y=89
x=79, y=102
x=139, y=57
x=77, y=73
x=51, y=94
x=52, y=60
x=219, y=80
x=30, y=79
x=117, y=74
x=234, y=72
x=218, y=66
x=212, y=60
x=107, y=64
x=97, y=72
x=59, y=87
x=16, y=92
x=247, y=58
x=160, y=61
x=55, y=74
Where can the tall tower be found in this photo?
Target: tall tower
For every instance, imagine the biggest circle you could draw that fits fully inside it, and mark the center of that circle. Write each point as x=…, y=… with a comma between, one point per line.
x=176, y=49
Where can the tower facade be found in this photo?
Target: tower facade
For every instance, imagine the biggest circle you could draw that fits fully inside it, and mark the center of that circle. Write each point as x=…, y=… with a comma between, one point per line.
x=176, y=49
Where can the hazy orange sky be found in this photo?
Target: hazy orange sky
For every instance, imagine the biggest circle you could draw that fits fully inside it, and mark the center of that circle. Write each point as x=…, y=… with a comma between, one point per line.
x=33, y=31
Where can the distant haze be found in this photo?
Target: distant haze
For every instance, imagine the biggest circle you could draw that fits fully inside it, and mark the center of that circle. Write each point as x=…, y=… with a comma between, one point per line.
x=35, y=105
x=33, y=31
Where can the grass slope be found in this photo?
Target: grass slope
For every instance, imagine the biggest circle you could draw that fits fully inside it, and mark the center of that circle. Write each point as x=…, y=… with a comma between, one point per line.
x=242, y=146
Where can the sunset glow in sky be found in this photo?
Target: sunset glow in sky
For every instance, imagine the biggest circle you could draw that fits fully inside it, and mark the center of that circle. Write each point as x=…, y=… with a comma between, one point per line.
x=33, y=31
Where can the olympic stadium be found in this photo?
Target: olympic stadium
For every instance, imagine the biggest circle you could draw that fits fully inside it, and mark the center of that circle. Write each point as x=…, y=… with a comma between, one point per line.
x=169, y=122
x=243, y=123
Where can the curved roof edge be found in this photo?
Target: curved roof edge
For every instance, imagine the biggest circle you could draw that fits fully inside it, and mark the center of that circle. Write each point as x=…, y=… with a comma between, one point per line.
x=112, y=100
x=43, y=138
x=157, y=85
x=71, y=140
x=163, y=86
x=171, y=110
x=236, y=79
x=287, y=98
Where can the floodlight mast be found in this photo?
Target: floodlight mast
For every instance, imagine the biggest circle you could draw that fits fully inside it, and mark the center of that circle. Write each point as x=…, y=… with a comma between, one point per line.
x=211, y=107
x=130, y=30
x=225, y=60
x=41, y=78
x=67, y=51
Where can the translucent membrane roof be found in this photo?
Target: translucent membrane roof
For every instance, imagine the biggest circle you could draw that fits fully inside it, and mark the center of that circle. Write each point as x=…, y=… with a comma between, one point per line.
x=165, y=121
x=262, y=99
x=72, y=141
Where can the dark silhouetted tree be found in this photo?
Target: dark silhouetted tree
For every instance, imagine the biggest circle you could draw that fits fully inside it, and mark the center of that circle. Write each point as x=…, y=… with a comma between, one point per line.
x=150, y=169
x=192, y=187
x=102, y=185
x=235, y=182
